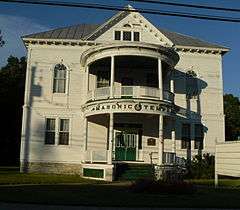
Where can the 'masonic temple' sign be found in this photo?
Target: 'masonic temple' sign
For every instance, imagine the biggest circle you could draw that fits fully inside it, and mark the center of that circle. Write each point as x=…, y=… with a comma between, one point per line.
x=141, y=107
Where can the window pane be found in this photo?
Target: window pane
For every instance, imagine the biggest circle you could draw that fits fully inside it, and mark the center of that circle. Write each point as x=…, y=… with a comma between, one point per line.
x=50, y=124
x=49, y=137
x=127, y=36
x=64, y=125
x=117, y=35
x=136, y=36
x=61, y=86
x=63, y=138
x=59, y=83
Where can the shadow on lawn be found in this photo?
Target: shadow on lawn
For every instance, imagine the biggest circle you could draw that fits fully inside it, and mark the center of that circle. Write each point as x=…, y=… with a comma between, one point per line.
x=112, y=195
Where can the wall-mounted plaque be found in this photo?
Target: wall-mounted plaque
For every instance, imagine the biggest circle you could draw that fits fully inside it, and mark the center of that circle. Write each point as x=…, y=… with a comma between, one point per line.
x=151, y=142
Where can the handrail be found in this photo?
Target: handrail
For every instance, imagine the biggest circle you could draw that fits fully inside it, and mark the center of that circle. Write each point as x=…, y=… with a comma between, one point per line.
x=130, y=91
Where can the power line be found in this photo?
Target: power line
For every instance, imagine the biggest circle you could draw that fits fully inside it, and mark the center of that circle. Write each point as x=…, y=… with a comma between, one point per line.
x=118, y=8
x=186, y=5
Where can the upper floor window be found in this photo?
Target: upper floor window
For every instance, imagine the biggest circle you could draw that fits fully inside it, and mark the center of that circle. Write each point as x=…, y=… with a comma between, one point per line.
x=192, y=89
x=60, y=77
x=117, y=35
x=136, y=36
x=127, y=35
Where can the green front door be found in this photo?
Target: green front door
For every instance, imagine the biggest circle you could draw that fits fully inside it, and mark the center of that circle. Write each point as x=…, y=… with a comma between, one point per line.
x=125, y=146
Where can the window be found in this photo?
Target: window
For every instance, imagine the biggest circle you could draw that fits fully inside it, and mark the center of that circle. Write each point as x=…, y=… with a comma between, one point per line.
x=60, y=75
x=198, y=143
x=117, y=35
x=50, y=131
x=127, y=36
x=64, y=132
x=186, y=140
x=192, y=89
x=136, y=36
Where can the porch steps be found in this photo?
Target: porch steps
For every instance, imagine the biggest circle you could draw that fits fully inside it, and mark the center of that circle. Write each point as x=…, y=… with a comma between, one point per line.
x=129, y=171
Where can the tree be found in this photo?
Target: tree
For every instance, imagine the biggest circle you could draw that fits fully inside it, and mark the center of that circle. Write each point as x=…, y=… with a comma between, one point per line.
x=232, y=117
x=12, y=81
x=2, y=42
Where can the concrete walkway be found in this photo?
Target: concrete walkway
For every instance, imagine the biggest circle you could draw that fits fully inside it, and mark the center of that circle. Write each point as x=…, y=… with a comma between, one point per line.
x=17, y=206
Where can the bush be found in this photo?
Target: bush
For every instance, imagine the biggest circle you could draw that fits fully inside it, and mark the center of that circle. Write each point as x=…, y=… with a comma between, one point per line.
x=201, y=167
x=152, y=186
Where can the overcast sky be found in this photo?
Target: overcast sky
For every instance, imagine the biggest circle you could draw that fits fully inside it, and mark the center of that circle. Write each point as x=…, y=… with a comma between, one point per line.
x=17, y=20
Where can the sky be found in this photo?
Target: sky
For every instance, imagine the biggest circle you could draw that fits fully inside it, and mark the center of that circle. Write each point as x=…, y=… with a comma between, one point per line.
x=21, y=19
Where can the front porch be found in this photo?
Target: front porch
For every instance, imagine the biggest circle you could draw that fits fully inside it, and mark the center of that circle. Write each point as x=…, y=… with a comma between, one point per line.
x=116, y=138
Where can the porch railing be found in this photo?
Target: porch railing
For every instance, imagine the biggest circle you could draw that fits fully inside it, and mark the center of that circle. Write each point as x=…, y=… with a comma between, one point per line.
x=129, y=91
x=95, y=156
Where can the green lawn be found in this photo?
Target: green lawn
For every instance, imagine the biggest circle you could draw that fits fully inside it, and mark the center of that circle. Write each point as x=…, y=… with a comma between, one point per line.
x=11, y=175
x=96, y=193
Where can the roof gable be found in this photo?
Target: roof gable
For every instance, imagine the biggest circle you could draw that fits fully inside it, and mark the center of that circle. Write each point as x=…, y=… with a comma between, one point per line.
x=92, y=32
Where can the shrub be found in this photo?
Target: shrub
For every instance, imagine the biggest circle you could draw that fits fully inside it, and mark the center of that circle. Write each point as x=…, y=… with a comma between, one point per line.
x=201, y=167
x=152, y=186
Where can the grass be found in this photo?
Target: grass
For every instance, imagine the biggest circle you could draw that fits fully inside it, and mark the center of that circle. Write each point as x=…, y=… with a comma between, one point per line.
x=11, y=175
x=95, y=193
x=222, y=182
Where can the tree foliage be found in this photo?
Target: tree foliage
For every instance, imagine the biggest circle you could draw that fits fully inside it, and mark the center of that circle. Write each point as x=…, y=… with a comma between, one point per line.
x=12, y=81
x=232, y=117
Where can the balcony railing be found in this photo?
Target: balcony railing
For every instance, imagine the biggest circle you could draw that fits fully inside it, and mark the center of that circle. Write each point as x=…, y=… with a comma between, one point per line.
x=129, y=92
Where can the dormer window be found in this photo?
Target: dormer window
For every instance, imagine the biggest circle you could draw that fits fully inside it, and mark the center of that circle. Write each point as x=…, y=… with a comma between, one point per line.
x=127, y=35
x=136, y=36
x=117, y=35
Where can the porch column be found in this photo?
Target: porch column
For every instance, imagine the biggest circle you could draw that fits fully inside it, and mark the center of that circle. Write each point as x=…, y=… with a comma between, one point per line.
x=161, y=141
x=85, y=134
x=110, y=138
x=112, y=78
x=160, y=79
x=87, y=81
x=172, y=87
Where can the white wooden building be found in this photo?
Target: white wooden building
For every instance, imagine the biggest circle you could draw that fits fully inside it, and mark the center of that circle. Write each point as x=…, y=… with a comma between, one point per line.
x=121, y=91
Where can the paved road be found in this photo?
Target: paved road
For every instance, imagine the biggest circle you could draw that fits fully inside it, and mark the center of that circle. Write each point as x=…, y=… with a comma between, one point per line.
x=16, y=206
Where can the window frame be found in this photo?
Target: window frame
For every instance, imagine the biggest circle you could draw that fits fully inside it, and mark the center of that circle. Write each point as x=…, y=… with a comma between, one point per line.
x=127, y=30
x=62, y=132
x=57, y=129
x=66, y=80
x=49, y=131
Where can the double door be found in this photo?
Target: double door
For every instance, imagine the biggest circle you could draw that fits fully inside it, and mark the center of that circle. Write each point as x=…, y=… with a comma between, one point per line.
x=125, y=146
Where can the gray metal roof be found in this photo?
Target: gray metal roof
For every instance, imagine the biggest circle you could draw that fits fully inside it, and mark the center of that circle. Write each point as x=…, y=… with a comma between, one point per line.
x=77, y=32
x=93, y=31
x=185, y=40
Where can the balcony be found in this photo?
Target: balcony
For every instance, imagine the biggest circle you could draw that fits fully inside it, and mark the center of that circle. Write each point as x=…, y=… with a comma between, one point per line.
x=140, y=92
